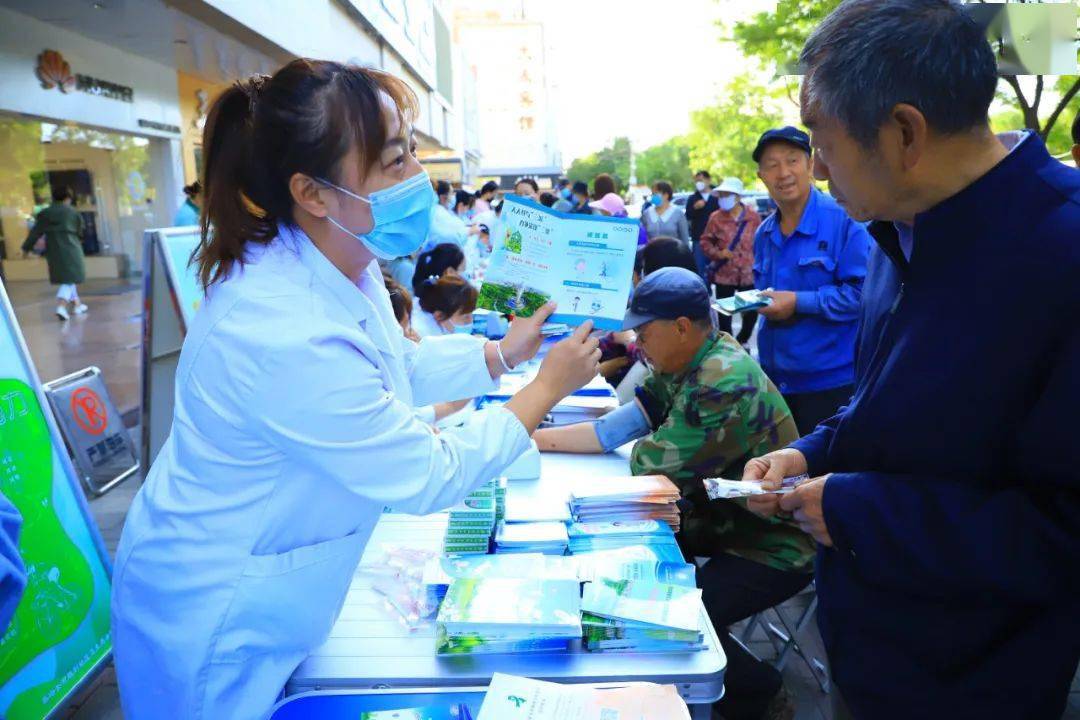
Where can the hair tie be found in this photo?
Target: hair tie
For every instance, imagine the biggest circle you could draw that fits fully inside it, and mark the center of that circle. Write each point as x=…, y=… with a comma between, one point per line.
x=431, y=279
x=253, y=89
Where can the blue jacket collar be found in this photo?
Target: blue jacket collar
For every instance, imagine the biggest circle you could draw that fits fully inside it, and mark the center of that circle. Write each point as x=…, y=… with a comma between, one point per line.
x=807, y=223
x=1016, y=170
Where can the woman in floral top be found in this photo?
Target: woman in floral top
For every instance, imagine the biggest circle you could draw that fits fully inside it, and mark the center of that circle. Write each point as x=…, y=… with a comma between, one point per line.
x=728, y=244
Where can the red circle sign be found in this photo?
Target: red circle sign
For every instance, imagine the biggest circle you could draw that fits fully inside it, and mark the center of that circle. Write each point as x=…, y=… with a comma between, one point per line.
x=89, y=411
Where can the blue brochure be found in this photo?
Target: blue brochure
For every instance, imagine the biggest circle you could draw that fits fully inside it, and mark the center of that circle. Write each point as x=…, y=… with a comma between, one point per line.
x=583, y=262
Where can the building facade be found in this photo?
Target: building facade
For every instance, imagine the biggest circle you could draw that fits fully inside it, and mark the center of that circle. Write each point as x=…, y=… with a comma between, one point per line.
x=109, y=99
x=508, y=55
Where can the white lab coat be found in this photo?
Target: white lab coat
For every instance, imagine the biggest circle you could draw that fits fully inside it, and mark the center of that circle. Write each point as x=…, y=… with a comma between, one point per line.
x=424, y=323
x=293, y=428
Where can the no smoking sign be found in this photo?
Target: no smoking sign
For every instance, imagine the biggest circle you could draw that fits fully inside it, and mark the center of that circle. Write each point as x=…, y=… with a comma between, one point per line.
x=89, y=411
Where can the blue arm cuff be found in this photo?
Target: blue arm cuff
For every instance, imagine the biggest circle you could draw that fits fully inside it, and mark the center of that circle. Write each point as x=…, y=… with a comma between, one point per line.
x=833, y=509
x=620, y=426
x=807, y=302
x=814, y=448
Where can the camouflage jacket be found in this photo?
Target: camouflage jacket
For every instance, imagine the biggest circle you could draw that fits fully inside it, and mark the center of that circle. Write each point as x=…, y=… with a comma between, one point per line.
x=708, y=422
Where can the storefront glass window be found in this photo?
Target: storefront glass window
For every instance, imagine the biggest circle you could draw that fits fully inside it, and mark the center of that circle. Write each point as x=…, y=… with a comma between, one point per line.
x=109, y=174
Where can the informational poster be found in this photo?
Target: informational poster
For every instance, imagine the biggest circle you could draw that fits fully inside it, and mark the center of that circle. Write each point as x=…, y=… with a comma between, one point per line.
x=177, y=247
x=585, y=263
x=60, y=633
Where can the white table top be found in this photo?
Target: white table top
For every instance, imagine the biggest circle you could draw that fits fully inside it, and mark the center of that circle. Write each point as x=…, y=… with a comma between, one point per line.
x=370, y=648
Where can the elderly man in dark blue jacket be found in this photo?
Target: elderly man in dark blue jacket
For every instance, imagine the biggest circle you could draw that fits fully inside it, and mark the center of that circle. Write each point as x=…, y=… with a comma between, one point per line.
x=946, y=495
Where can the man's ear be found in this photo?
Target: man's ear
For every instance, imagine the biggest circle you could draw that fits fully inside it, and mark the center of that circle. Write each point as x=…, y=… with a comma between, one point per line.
x=909, y=133
x=683, y=325
x=306, y=193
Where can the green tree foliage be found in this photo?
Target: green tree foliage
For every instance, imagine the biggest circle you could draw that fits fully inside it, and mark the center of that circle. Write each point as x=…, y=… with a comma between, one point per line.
x=776, y=38
x=723, y=136
x=670, y=160
x=613, y=160
x=1058, y=139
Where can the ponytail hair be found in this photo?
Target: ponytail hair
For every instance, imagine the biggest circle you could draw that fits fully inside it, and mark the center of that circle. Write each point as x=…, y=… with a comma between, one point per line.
x=260, y=132
x=449, y=295
x=400, y=299
x=436, y=262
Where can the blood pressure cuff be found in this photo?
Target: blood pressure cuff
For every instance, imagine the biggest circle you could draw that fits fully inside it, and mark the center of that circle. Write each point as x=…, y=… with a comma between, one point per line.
x=621, y=425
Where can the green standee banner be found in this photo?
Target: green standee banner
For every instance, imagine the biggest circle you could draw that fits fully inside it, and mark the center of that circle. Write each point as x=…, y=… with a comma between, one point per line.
x=59, y=637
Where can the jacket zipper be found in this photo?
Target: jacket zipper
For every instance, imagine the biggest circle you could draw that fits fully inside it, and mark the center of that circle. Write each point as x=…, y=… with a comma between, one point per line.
x=899, y=297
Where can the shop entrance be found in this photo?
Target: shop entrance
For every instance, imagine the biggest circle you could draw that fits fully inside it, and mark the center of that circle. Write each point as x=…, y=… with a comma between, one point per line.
x=111, y=176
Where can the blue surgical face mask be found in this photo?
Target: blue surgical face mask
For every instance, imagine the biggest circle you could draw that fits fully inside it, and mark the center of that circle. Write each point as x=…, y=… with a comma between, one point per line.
x=565, y=192
x=402, y=216
x=462, y=329
x=727, y=202
x=656, y=199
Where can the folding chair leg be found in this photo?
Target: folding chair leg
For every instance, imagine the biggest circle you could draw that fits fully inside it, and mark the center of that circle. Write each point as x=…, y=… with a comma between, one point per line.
x=748, y=631
x=788, y=641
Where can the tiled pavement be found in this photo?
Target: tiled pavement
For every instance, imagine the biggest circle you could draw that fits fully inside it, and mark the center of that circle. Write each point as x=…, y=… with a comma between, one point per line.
x=109, y=338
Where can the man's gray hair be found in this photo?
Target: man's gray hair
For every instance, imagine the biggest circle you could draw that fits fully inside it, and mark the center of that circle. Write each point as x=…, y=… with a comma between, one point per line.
x=869, y=55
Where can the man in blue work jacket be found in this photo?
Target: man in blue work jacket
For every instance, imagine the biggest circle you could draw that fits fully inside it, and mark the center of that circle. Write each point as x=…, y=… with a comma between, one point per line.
x=945, y=497
x=810, y=257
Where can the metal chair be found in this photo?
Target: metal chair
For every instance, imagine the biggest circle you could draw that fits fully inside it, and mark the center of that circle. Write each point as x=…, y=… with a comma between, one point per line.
x=784, y=633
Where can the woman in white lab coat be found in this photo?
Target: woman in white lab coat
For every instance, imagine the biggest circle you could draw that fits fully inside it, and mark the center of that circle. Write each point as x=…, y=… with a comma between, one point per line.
x=445, y=306
x=293, y=425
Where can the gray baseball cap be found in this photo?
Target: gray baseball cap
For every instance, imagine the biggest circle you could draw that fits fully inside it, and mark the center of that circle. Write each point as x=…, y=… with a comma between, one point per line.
x=667, y=294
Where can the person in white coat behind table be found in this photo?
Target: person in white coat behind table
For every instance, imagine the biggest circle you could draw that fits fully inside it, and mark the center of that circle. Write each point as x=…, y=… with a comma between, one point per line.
x=445, y=306
x=294, y=424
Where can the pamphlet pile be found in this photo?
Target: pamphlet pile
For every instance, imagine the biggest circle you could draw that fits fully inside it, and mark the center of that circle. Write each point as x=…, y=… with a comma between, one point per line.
x=621, y=499
x=655, y=534
x=641, y=616
x=527, y=507
x=548, y=538
x=500, y=615
x=516, y=698
x=592, y=567
x=440, y=572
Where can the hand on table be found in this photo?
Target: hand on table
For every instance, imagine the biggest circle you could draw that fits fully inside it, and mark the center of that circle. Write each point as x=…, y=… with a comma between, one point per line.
x=783, y=305
x=770, y=470
x=804, y=504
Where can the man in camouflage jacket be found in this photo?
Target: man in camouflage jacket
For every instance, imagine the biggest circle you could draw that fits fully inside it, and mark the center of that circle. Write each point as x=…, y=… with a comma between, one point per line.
x=706, y=409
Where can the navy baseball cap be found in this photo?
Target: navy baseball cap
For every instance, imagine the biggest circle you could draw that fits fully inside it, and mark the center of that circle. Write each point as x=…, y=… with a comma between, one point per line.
x=666, y=294
x=788, y=134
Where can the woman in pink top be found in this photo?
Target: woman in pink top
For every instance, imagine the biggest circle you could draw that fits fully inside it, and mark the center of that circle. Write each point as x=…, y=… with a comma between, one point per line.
x=728, y=244
x=613, y=206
